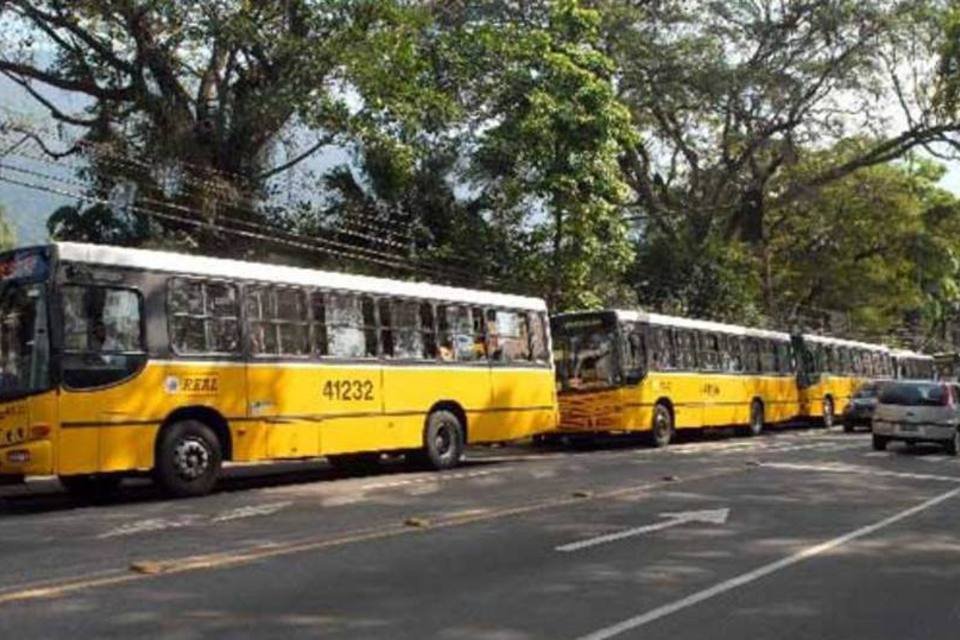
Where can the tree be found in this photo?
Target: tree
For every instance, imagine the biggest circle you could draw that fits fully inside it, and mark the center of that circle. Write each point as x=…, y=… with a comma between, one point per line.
x=881, y=247
x=189, y=101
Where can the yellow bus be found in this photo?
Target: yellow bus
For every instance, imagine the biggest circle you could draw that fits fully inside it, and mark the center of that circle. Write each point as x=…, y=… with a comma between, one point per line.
x=912, y=365
x=116, y=361
x=830, y=370
x=626, y=371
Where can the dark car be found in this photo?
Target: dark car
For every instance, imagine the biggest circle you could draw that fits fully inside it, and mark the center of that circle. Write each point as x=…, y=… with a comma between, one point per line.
x=859, y=413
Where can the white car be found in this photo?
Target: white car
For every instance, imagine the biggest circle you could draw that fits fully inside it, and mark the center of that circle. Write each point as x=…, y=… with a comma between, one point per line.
x=918, y=411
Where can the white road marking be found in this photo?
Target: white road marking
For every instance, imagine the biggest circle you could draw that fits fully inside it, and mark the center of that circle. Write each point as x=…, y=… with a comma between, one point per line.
x=193, y=520
x=849, y=468
x=251, y=511
x=712, y=516
x=152, y=524
x=751, y=576
x=877, y=454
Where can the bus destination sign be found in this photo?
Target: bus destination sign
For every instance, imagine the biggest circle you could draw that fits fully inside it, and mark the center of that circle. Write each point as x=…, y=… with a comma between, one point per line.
x=23, y=264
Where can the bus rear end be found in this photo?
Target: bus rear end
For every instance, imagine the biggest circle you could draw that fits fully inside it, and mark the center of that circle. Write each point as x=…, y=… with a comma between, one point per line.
x=586, y=356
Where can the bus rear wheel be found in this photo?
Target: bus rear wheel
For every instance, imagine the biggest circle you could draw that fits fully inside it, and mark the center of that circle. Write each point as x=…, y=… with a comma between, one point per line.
x=188, y=459
x=755, y=427
x=662, y=428
x=443, y=441
x=827, y=412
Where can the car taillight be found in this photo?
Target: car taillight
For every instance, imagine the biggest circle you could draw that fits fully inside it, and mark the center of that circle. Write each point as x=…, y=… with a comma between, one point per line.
x=946, y=398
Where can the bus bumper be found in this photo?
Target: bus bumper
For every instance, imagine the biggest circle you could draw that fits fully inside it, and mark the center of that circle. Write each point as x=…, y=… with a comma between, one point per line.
x=27, y=459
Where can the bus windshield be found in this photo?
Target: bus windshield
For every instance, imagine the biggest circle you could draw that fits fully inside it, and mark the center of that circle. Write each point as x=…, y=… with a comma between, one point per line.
x=585, y=352
x=24, y=339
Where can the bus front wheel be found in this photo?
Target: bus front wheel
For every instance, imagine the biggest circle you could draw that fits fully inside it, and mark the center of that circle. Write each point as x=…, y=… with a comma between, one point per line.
x=443, y=441
x=662, y=430
x=188, y=459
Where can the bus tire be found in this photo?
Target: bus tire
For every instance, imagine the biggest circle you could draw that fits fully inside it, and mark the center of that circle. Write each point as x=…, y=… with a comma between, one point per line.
x=188, y=459
x=661, y=430
x=828, y=412
x=755, y=427
x=92, y=486
x=355, y=463
x=443, y=441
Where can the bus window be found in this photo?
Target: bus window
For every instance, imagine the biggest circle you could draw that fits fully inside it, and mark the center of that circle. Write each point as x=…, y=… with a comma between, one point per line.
x=408, y=338
x=103, y=335
x=768, y=361
x=459, y=339
x=507, y=336
x=428, y=331
x=203, y=316
x=385, y=325
x=710, y=349
x=277, y=321
x=635, y=355
x=349, y=326
x=538, y=336
x=318, y=300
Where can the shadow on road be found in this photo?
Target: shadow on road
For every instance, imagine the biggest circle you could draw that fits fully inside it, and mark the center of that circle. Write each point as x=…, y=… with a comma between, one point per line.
x=47, y=495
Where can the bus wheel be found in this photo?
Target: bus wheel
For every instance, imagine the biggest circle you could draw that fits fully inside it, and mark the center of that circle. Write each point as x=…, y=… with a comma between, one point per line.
x=188, y=459
x=355, y=463
x=827, y=413
x=756, y=418
x=94, y=486
x=442, y=441
x=662, y=425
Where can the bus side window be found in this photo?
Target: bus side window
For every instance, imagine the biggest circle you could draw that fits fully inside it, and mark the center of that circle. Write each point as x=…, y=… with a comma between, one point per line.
x=507, y=334
x=277, y=321
x=321, y=346
x=538, y=336
x=385, y=326
x=456, y=332
x=203, y=316
x=428, y=330
x=346, y=326
x=408, y=337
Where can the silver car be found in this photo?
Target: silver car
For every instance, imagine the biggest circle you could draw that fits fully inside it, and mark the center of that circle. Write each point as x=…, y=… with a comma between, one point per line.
x=918, y=411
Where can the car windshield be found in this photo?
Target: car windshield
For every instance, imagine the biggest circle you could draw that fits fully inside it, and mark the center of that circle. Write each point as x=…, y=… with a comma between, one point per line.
x=913, y=393
x=24, y=341
x=584, y=353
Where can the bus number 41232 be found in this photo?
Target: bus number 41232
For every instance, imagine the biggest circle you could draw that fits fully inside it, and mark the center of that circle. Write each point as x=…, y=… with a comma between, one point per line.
x=348, y=390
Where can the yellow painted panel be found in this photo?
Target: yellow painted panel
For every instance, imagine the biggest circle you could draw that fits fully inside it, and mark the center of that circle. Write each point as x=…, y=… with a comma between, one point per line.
x=126, y=448
x=295, y=440
x=79, y=451
x=373, y=433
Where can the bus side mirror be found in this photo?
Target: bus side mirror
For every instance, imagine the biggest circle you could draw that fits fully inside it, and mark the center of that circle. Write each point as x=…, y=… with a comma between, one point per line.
x=633, y=377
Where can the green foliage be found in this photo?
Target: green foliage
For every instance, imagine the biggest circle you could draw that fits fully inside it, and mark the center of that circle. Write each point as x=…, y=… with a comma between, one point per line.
x=948, y=70
x=880, y=246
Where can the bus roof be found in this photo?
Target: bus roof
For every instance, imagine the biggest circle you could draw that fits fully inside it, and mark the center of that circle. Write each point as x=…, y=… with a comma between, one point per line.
x=630, y=315
x=186, y=264
x=840, y=342
x=906, y=353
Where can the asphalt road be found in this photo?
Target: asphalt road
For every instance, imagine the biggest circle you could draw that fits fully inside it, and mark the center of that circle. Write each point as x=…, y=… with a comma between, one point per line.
x=797, y=534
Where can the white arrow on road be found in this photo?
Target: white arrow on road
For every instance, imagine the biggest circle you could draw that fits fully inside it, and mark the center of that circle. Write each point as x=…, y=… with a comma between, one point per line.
x=711, y=516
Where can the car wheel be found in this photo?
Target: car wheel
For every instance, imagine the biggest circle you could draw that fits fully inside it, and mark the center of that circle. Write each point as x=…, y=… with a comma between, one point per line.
x=848, y=427
x=879, y=443
x=662, y=427
x=188, y=459
x=953, y=445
